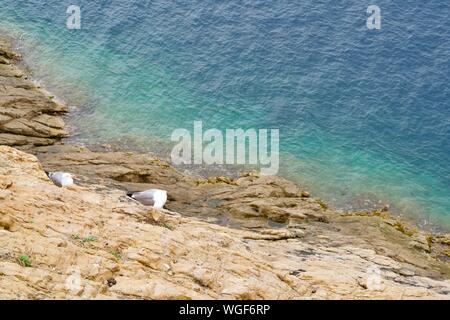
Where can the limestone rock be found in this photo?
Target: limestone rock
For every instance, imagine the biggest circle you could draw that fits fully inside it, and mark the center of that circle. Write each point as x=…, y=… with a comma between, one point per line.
x=77, y=240
x=28, y=116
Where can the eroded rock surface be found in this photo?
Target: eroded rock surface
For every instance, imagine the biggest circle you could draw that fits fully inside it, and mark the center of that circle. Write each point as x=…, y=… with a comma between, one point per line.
x=92, y=242
x=28, y=116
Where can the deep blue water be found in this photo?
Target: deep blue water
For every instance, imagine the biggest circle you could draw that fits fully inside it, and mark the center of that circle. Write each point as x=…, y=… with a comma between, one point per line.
x=364, y=115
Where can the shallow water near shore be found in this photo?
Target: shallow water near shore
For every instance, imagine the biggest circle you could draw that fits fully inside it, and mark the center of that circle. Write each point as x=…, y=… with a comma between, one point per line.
x=364, y=116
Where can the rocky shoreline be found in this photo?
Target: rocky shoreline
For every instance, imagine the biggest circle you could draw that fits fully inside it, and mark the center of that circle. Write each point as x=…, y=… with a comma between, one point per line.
x=29, y=117
x=251, y=237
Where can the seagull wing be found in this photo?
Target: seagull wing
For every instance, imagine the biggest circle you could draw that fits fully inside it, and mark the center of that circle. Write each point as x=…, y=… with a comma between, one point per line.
x=145, y=197
x=57, y=178
x=61, y=179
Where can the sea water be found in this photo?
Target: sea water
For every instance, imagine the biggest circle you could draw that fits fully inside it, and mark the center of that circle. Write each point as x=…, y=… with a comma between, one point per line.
x=363, y=115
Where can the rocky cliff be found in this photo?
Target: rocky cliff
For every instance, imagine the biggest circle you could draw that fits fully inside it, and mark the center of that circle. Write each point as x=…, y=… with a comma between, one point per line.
x=253, y=237
x=28, y=115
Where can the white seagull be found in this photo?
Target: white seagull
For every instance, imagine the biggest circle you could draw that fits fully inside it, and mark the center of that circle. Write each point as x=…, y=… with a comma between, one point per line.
x=152, y=197
x=61, y=179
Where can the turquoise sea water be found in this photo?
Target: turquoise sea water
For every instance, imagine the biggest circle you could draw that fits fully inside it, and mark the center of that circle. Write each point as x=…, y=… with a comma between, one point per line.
x=364, y=115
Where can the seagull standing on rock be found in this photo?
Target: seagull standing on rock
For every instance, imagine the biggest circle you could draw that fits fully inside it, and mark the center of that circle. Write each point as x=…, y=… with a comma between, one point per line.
x=61, y=179
x=152, y=197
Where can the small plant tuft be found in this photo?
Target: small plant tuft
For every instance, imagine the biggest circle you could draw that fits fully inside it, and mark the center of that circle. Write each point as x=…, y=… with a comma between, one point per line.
x=322, y=204
x=116, y=253
x=75, y=237
x=89, y=239
x=24, y=261
x=430, y=240
x=403, y=228
x=167, y=226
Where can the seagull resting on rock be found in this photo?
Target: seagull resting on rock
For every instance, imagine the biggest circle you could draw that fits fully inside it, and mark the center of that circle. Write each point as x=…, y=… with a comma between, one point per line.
x=61, y=179
x=152, y=197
